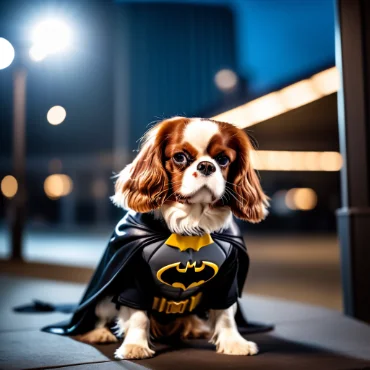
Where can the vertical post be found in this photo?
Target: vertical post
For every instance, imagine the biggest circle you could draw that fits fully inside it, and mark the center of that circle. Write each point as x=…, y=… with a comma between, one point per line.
x=19, y=158
x=122, y=81
x=353, y=61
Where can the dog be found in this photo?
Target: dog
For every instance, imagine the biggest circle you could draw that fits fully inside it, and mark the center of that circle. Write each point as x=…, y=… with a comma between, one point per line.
x=194, y=174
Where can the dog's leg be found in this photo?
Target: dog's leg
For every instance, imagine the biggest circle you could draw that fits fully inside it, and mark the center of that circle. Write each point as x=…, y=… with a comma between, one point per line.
x=226, y=336
x=134, y=324
x=105, y=311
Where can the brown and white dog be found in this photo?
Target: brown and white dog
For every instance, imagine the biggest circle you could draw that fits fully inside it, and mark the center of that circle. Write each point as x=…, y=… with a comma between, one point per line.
x=194, y=173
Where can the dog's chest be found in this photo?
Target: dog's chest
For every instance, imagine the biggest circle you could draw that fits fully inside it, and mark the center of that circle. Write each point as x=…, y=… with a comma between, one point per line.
x=182, y=267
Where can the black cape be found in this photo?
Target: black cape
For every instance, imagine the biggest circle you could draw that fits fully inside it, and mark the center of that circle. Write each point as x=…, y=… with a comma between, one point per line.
x=133, y=233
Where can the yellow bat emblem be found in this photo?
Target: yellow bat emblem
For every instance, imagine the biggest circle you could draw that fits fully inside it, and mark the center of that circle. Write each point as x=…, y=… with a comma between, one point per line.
x=187, y=277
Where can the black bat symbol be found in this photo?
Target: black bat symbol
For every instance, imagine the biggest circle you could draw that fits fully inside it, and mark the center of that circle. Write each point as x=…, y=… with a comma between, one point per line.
x=187, y=277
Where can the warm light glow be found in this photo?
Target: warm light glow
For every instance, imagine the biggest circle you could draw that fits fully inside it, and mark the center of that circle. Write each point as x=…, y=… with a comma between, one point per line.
x=226, y=79
x=330, y=161
x=298, y=94
x=57, y=186
x=264, y=108
x=270, y=160
x=303, y=199
x=326, y=82
x=6, y=53
x=276, y=103
x=312, y=161
x=258, y=110
x=51, y=36
x=9, y=186
x=56, y=115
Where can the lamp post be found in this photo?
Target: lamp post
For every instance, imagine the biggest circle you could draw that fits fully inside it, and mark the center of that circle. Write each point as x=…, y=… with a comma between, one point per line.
x=50, y=36
x=19, y=160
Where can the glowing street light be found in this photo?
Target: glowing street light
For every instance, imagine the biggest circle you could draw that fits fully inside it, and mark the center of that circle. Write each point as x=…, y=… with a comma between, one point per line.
x=56, y=115
x=50, y=37
x=226, y=79
x=9, y=186
x=6, y=53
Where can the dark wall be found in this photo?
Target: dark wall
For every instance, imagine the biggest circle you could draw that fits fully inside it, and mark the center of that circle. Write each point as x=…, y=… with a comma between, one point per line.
x=174, y=52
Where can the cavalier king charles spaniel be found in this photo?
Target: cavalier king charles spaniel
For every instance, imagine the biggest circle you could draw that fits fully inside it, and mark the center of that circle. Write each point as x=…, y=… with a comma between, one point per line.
x=193, y=173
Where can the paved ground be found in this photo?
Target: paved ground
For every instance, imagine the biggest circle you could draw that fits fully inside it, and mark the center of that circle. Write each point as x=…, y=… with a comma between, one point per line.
x=305, y=337
x=302, y=268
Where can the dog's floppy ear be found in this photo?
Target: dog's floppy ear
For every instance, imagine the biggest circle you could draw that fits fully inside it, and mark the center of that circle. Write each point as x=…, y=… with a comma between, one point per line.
x=248, y=201
x=143, y=185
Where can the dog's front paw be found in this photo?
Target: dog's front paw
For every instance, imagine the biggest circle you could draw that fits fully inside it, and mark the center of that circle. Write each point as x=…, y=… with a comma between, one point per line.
x=97, y=336
x=133, y=352
x=238, y=346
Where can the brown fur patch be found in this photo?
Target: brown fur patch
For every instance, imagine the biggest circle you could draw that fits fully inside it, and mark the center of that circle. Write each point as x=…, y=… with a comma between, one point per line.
x=96, y=336
x=182, y=327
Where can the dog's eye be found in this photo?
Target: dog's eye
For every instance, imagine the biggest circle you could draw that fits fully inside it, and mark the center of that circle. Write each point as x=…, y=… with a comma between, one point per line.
x=222, y=160
x=180, y=158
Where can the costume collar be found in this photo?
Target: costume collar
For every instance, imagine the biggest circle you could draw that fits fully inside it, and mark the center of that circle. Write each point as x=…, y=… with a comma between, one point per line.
x=184, y=242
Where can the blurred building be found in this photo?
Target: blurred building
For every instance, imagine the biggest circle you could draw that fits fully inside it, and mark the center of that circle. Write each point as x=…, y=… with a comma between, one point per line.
x=131, y=64
x=135, y=62
x=167, y=57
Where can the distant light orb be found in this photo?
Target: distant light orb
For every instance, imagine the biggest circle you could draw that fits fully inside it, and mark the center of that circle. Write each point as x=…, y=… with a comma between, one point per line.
x=6, y=53
x=226, y=79
x=302, y=199
x=52, y=36
x=37, y=53
x=9, y=186
x=57, y=186
x=56, y=115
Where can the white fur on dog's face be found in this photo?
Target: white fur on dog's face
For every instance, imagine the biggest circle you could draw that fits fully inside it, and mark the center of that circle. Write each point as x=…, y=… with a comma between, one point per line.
x=201, y=189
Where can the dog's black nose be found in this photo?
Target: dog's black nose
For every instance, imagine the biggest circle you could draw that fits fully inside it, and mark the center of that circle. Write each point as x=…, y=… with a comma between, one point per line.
x=206, y=168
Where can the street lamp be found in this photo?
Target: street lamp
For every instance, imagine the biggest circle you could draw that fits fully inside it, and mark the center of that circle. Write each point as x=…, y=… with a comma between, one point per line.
x=50, y=36
x=6, y=53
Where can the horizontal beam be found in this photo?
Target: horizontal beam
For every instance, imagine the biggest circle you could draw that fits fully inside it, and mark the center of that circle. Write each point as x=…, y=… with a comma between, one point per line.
x=282, y=101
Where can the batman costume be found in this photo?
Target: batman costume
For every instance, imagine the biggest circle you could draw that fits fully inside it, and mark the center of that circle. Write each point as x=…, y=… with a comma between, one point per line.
x=168, y=275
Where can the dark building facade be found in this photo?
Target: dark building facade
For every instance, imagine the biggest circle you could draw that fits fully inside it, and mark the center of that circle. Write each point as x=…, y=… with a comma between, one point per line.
x=167, y=58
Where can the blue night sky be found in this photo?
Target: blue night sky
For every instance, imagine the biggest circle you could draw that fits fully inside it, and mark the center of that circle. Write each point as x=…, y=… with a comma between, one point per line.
x=283, y=40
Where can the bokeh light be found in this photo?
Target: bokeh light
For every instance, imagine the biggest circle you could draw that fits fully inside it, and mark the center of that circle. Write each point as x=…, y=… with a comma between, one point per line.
x=51, y=36
x=57, y=186
x=9, y=186
x=302, y=199
x=56, y=115
x=6, y=53
x=275, y=160
x=226, y=79
x=330, y=161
